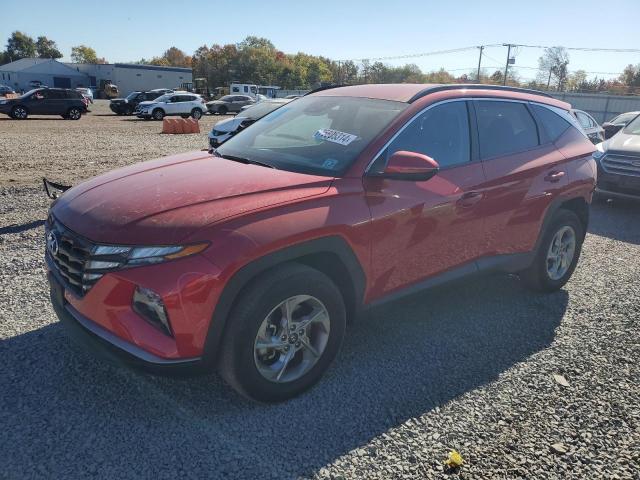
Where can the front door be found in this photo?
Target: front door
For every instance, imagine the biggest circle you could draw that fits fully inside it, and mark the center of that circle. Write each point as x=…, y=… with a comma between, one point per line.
x=421, y=229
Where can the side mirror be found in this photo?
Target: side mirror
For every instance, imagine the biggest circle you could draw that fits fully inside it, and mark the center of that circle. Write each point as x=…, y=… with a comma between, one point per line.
x=403, y=165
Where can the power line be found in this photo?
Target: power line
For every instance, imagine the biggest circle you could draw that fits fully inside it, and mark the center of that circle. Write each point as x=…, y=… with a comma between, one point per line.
x=416, y=55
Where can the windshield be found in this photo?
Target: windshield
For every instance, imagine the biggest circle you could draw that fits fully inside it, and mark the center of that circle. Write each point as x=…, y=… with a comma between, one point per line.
x=260, y=109
x=318, y=135
x=634, y=127
x=624, y=118
x=132, y=95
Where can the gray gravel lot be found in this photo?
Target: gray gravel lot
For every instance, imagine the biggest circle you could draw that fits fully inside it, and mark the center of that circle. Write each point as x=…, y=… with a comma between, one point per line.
x=468, y=367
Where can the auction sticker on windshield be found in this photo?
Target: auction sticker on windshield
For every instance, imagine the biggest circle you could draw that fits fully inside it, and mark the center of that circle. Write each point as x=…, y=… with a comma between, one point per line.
x=334, y=136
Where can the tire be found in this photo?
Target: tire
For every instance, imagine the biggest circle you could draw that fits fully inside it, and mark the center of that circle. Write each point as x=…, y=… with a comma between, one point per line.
x=128, y=111
x=541, y=275
x=241, y=363
x=158, y=114
x=19, y=112
x=196, y=113
x=74, y=113
x=222, y=110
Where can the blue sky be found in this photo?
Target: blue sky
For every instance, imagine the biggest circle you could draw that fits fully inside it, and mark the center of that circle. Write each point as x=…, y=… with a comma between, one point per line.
x=129, y=30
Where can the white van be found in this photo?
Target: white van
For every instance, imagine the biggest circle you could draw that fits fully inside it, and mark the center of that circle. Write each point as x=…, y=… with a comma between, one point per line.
x=243, y=89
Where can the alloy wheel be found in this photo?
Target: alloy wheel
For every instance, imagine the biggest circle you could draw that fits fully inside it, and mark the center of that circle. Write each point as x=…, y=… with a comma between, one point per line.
x=561, y=252
x=291, y=339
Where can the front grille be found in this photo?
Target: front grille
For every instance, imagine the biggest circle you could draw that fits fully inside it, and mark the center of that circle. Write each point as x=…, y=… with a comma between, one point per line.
x=621, y=164
x=72, y=255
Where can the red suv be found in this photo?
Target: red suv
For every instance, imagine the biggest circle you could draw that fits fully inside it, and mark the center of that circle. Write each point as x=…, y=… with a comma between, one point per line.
x=253, y=259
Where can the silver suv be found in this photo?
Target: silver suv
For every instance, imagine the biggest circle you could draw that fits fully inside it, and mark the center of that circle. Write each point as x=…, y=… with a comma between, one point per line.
x=184, y=104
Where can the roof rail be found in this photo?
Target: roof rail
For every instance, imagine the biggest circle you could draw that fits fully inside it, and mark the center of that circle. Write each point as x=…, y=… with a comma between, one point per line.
x=328, y=87
x=474, y=86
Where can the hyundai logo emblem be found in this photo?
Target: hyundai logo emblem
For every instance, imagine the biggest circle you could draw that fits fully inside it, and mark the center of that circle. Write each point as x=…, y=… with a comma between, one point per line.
x=52, y=244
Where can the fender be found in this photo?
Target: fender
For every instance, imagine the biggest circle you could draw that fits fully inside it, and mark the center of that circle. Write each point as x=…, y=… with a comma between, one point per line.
x=333, y=244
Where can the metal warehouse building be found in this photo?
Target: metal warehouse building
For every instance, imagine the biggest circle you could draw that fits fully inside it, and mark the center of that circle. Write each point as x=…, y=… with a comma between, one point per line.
x=128, y=77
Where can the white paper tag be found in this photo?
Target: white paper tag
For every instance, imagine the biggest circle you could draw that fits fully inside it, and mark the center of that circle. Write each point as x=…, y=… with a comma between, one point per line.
x=335, y=136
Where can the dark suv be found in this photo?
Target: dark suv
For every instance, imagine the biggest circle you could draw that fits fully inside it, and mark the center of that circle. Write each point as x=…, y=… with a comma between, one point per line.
x=253, y=258
x=69, y=104
x=127, y=105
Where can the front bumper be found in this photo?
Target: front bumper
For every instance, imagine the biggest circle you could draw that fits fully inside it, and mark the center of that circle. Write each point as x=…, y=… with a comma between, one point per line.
x=101, y=341
x=615, y=185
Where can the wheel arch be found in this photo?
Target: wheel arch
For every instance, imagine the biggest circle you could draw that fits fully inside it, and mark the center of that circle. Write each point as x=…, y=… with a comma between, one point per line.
x=577, y=205
x=330, y=255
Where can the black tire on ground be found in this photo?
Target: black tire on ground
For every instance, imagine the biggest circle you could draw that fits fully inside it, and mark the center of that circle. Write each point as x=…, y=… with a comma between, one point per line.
x=74, y=113
x=158, y=114
x=536, y=276
x=196, y=113
x=237, y=364
x=129, y=111
x=222, y=110
x=19, y=112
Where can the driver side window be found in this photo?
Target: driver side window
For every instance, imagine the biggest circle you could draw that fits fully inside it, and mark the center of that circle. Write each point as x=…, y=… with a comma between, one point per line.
x=442, y=133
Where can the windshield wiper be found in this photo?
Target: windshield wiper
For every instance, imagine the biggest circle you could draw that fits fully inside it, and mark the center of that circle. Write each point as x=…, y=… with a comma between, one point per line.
x=243, y=160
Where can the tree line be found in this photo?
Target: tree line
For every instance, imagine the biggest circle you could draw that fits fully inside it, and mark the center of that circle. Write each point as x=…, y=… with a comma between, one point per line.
x=257, y=60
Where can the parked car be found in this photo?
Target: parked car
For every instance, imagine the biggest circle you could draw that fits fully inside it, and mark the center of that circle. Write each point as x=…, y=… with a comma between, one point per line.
x=594, y=131
x=618, y=122
x=87, y=93
x=224, y=130
x=230, y=104
x=5, y=89
x=252, y=259
x=184, y=104
x=69, y=104
x=618, y=160
x=127, y=105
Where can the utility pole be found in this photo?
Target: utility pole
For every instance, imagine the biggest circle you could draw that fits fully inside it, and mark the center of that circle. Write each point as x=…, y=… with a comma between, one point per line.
x=506, y=67
x=481, y=47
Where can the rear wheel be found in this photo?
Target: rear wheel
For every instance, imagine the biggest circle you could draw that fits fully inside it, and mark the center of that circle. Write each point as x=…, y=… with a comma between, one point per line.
x=222, y=110
x=196, y=113
x=283, y=333
x=557, y=255
x=158, y=114
x=19, y=112
x=74, y=113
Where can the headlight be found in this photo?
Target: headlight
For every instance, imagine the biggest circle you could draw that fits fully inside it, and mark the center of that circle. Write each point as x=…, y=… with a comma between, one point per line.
x=106, y=257
x=600, y=151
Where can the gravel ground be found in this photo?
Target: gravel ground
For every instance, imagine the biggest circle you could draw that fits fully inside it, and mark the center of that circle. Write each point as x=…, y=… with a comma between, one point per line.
x=522, y=385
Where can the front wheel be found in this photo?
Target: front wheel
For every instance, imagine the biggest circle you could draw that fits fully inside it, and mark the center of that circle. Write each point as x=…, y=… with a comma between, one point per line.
x=158, y=114
x=74, y=113
x=196, y=113
x=283, y=333
x=222, y=110
x=557, y=255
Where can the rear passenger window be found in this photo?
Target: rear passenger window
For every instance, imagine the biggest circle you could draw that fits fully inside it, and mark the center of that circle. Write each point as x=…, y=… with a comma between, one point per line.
x=505, y=128
x=553, y=123
x=441, y=132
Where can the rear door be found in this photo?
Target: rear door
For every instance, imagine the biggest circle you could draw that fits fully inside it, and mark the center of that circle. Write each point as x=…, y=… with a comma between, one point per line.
x=525, y=173
x=425, y=228
x=38, y=103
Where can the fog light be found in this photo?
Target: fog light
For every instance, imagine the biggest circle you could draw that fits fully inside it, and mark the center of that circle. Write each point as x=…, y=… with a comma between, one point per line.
x=148, y=304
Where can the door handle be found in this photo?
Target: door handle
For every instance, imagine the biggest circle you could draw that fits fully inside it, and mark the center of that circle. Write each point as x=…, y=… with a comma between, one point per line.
x=469, y=199
x=554, y=177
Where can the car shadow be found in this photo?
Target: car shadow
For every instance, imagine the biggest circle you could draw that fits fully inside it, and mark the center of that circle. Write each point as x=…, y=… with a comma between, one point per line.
x=71, y=413
x=21, y=228
x=616, y=219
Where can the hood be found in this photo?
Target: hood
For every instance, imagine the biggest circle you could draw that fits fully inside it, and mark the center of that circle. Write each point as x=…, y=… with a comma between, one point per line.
x=230, y=125
x=623, y=143
x=217, y=102
x=164, y=201
x=147, y=102
x=118, y=100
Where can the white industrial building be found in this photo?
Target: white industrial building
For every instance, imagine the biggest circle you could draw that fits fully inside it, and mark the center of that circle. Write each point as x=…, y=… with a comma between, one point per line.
x=22, y=74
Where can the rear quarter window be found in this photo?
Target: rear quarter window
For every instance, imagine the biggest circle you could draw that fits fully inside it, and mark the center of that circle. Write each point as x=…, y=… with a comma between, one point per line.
x=552, y=122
